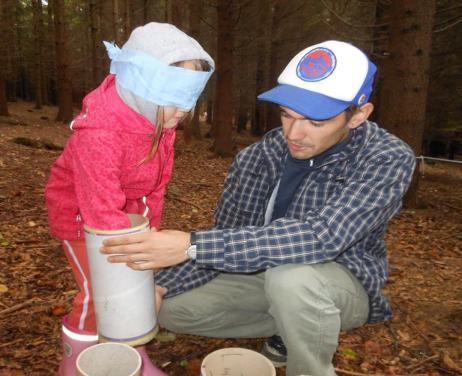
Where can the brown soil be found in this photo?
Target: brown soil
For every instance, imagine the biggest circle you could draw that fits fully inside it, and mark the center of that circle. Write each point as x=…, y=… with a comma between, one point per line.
x=36, y=285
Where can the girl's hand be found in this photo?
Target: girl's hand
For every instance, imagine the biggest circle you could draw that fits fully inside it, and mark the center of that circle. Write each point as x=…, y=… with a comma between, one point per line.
x=148, y=250
x=159, y=295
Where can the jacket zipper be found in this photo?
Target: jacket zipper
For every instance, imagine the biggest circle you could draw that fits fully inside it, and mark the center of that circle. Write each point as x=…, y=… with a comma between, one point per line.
x=78, y=219
x=146, y=210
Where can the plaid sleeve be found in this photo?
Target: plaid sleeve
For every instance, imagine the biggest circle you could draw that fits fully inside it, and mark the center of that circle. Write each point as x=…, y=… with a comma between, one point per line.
x=370, y=198
x=183, y=277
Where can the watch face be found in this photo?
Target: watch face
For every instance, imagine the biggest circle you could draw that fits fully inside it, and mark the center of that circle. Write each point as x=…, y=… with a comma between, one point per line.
x=192, y=250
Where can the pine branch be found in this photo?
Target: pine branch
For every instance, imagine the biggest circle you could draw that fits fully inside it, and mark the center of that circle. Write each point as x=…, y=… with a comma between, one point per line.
x=448, y=26
x=292, y=12
x=447, y=9
x=349, y=23
x=209, y=25
x=355, y=38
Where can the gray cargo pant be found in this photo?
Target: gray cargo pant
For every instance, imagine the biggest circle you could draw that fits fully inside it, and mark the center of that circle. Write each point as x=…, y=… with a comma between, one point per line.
x=307, y=305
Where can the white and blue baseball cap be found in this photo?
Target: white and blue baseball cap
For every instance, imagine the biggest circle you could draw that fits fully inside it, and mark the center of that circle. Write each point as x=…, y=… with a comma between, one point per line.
x=324, y=80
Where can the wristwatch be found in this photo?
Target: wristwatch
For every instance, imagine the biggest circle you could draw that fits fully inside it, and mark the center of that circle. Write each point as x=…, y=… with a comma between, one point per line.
x=192, y=249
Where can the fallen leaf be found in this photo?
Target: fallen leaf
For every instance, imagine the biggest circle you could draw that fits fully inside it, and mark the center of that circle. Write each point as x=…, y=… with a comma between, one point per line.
x=165, y=337
x=403, y=335
x=194, y=367
x=448, y=362
x=372, y=347
x=11, y=372
x=184, y=363
x=32, y=224
x=349, y=354
x=58, y=311
x=3, y=288
x=365, y=366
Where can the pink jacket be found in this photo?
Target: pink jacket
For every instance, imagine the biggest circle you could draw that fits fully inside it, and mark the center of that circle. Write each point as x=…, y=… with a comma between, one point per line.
x=98, y=178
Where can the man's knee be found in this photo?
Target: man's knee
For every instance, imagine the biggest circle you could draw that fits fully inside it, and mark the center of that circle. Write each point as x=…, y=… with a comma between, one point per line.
x=182, y=314
x=293, y=284
x=172, y=316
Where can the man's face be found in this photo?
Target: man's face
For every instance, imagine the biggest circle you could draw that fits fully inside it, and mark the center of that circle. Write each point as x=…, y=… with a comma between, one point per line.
x=307, y=138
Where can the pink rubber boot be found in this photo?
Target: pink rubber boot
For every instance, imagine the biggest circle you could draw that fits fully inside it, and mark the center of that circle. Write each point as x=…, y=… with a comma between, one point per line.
x=148, y=368
x=74, y=342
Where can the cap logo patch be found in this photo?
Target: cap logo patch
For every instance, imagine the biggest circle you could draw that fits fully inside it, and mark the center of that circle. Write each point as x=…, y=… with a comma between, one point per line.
x=316, y=65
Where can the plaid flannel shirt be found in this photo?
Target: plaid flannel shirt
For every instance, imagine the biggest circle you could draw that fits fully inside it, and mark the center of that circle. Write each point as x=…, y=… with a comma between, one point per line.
x=339, y=212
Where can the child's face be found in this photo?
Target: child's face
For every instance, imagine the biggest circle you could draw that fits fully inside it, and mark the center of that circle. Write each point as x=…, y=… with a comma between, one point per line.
x=173, y=115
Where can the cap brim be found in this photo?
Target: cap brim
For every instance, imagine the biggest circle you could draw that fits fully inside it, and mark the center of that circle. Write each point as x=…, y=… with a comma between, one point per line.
x=308, y=103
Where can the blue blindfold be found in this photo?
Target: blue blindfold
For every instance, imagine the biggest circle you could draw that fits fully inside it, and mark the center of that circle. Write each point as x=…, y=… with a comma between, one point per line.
x=149, y=78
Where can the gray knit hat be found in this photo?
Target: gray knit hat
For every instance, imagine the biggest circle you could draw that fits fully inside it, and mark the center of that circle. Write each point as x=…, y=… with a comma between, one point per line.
x=167, y=44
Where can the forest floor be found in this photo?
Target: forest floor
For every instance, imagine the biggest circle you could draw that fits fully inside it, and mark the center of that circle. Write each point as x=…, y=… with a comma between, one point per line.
x=36, y=284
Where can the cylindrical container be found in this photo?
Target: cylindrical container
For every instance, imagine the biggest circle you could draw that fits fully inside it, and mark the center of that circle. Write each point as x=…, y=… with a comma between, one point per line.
x=235, y=361
x=115, y=359
x=123, y=297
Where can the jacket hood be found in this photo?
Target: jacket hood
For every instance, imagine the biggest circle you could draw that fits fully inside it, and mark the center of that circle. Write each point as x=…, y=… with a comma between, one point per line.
x=104, y=109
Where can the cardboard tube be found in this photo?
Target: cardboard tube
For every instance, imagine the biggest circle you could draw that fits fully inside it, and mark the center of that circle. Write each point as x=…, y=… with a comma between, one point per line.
x=115, y=359
x=123, y=297
x=236, y=361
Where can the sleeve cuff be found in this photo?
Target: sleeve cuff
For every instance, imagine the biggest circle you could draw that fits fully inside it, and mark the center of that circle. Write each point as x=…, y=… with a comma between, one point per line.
x=210, y=251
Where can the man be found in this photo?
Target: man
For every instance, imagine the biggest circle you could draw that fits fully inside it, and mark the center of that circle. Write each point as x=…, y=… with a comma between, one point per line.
x=297, y=252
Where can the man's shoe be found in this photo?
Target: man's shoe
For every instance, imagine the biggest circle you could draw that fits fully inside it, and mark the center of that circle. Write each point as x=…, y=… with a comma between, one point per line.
x=275, y=350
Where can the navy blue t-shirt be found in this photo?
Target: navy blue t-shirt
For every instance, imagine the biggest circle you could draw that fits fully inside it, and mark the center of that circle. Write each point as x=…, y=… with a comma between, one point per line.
x=294, y=172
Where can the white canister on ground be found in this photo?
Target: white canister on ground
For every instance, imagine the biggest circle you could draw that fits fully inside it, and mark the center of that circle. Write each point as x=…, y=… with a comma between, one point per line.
x=236, y=361
x=123, y=297
x=115, y=359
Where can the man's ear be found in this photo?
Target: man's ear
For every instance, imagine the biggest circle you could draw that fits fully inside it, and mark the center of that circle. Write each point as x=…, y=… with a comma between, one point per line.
x=361, y=115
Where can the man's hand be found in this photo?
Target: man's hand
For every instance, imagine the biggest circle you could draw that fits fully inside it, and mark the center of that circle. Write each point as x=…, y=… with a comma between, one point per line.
x=148, y=250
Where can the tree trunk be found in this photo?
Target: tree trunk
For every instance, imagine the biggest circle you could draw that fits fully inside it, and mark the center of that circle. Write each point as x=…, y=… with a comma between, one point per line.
x=175, y=13
x=62, y=65
x=37, y=18
x=272, y=114
x=136, y=13
x=126, y=17
x=3, y=102
x=95, y=37
x=116, y=22
x=209, y=117
x=146, y=7
x=195, y=10
x=43, y=70
x=5, y=24
x=107, y=31
x=405, y=86
x=223, y=145
x=50, y=57
x=242, y=116
x=195, y=124
x=346, y=18
x=262, y=77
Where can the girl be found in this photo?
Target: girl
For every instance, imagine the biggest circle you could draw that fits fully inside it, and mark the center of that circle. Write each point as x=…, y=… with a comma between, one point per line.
x=119, y=159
